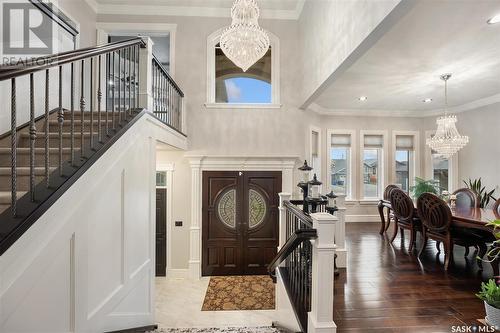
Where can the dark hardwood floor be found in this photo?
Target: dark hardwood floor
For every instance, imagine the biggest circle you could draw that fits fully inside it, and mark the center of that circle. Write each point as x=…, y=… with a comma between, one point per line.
x=384, y=289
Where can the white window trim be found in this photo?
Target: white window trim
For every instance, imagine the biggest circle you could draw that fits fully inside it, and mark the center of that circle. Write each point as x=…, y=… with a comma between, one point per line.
x=352, y=187
x=320, y=155
x=382, y=183
x=453, y=180
x=415, y=170
x=212, y=40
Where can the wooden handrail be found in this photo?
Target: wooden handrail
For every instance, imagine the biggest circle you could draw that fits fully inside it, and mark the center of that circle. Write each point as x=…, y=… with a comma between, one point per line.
x=293, y=242
x=39, y=64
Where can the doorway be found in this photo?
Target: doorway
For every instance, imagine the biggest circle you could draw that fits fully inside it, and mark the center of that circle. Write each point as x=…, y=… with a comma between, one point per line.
x=239, y=221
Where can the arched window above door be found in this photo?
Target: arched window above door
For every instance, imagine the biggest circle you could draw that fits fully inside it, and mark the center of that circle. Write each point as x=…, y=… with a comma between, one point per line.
x=229, y=87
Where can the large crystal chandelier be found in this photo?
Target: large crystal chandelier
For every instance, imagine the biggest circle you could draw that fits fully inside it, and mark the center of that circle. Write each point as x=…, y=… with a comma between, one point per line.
x=244, y=42
x=447, y=141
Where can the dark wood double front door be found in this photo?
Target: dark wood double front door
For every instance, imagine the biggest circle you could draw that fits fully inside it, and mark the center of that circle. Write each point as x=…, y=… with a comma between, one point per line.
x=240, y=221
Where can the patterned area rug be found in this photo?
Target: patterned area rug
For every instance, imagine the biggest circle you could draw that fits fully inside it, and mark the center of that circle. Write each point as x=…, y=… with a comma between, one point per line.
x=220, y=330
x=240, y=293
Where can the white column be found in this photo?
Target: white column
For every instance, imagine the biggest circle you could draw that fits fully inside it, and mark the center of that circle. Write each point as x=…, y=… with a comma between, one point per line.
x=282, y=218
x=146, y=75
x=341, y=249
x=320, y=319
x=195, y=228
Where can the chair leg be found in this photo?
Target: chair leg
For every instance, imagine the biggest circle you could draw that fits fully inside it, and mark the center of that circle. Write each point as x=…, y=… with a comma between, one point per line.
x=402, y=234
x=424, y=243
x=413, y=235
x=466, y=251
x=448, y=254
x=481, y=253
x=388, y=219
x=437, y=246
x=395, y=231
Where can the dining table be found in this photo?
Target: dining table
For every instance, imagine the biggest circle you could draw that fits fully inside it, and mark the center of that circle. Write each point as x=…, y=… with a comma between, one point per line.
x=463, y=217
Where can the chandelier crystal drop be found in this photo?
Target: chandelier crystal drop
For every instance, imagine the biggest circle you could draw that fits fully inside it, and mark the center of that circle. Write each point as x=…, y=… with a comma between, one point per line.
x=244, y=42
x=447, y=141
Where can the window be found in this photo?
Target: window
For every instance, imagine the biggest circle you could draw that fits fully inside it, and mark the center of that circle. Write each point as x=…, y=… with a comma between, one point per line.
x=229, y=87
x=340, y=164
x=161, y=178
x=440, y=171
x=404, y=161
x=232, y=85
x=372, y=176
x=315, y=159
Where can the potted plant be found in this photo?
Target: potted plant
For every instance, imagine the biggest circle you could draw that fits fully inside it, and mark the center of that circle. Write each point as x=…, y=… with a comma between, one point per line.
x=424, y=186
x=490, y=291
x=490, y=294
x=477, y=187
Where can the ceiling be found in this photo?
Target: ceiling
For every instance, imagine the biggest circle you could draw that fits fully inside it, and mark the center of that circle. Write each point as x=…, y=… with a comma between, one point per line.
x=404, y=65
x=277, y=9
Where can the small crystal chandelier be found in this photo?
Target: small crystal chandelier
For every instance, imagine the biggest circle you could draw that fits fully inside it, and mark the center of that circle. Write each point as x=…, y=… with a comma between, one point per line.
x=447, y=141
x=244, y=42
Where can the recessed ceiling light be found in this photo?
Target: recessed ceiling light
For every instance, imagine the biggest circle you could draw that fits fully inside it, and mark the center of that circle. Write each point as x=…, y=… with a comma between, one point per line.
x=363, y=98
x=494, y=19
x=427, y=100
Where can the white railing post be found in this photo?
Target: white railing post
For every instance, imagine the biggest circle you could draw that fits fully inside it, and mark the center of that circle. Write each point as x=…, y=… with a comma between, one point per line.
x=146, y=76
x=341, y=250
x=320, y=319
x=282, y=218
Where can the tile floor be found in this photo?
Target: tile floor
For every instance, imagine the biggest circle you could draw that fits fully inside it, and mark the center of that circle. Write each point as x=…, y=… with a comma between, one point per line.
x=179, y=302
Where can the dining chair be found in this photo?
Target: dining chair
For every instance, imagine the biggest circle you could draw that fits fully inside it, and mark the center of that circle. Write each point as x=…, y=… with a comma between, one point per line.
x=436, y=218
x=466, y=198
x=387, y=197
x=496, y=208
x=404, y=216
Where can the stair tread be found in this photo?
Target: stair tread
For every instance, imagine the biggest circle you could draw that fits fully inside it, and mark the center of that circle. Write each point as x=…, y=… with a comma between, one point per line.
x=24, y=150
x=5, y=196
x=24, y=171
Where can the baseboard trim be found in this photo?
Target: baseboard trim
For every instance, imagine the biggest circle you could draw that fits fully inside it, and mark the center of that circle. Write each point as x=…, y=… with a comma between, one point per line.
x=362, y=218
x=177, y=273
x=137, y=329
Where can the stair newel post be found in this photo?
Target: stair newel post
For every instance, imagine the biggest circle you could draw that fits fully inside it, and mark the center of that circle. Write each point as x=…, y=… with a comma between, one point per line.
x=13, y=153
x=341, y=250
x=146, y=98
x=47, y=129
x=32, y=132
x=72, y=121
x=82, y=109
x=99, y=100
x=91, y=102
x=283, y=218
x=320, y=319
x=60, y=121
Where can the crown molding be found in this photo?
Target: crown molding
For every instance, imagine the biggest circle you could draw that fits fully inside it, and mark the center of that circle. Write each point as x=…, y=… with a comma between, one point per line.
x=148, y=10
x=404, y=113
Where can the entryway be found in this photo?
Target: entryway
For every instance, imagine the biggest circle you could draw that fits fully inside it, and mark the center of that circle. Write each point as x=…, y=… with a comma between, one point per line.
x=239, y=221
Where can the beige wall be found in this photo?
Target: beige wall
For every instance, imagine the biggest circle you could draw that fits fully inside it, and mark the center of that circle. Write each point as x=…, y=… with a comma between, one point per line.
x=330, y=32
x=80, y=12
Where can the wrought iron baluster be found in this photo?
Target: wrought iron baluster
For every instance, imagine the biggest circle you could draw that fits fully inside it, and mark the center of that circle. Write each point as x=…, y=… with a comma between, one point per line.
x=99, y=100
x=124, y=86
x=47, y=130
x=60, y=122
x=113, y=87
x=91, y=103
x=129, y=51
x=32, y=132
x=72, y=106
x=119, y=87
x=138, y=74
x=13, y=152
x=108, y=90
x=135, y=76
x=82, y=110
